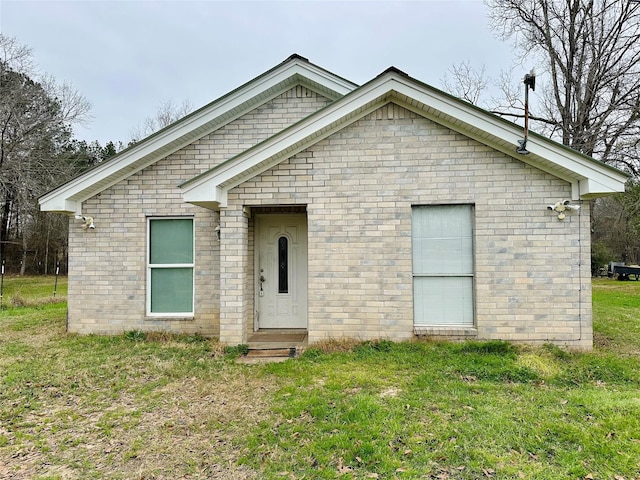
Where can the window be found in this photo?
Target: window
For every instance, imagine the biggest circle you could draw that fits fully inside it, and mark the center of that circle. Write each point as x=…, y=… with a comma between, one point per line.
x=443, y=265
x=283, y=265
x=170, y=267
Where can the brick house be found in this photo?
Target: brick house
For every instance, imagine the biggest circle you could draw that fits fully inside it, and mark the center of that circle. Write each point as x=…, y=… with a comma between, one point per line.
x=303, y=202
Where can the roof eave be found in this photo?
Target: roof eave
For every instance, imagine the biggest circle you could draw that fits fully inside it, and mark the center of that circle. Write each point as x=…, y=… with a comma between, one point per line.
x=503, y=135
x=295, y=70
x=206, y=197
x=587, y=176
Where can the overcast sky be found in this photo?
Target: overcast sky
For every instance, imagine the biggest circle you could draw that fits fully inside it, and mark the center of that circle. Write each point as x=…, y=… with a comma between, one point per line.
x=128, y=56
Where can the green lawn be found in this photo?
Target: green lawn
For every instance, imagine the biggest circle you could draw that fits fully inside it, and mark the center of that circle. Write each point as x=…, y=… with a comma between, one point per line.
x=28, y=291
x=159, y=406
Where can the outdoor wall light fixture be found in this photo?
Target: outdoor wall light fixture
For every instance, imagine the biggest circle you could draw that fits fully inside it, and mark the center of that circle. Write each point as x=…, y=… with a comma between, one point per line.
x=217, y=230
x=88, y=222
x=561, y=207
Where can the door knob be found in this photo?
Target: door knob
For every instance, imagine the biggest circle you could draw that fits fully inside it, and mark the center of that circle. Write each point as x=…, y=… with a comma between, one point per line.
x=261, y=278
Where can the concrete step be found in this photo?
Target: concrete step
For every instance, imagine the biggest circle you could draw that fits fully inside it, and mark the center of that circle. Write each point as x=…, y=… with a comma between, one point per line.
x=274, y=346
x=272, y=352
x=267, y=355
x=247, y=360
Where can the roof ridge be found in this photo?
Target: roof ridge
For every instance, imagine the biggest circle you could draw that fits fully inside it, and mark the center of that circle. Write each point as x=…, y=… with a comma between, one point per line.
x=393, y=69
x=295, y=56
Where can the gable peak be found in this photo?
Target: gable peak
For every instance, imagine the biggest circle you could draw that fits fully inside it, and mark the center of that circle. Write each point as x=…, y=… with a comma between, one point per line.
x=393, y=69
x=295, y=56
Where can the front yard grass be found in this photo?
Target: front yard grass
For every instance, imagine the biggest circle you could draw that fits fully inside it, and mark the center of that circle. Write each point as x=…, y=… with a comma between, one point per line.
x=156, y=406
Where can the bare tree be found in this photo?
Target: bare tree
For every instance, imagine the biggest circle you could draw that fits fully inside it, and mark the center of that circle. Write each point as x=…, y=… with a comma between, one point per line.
x=587, y=56
x=588, y=52
x=167, y=113
x=466, y=82
x=75, y=109
x=18, y=56
x=36, y=118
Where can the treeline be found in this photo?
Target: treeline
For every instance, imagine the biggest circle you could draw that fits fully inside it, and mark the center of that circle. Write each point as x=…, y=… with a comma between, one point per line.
x=37, y=153
x=588, y=99
x=615, y=234
x=35, y=242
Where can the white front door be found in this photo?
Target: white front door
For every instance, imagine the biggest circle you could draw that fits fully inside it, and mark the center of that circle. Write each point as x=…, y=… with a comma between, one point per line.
x=281, y=271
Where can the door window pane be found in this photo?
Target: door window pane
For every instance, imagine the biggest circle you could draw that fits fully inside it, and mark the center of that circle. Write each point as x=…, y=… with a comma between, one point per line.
x=283, y=265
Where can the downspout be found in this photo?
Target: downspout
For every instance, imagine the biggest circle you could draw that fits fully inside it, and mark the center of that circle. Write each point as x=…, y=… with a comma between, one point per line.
x=580, y=266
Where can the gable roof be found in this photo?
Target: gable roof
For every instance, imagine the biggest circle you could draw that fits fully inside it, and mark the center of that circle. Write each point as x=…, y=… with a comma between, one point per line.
x=588, y=177
x=295, y=70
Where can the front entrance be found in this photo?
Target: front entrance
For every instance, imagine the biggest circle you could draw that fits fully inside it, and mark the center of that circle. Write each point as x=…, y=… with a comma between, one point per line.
x=281, y=271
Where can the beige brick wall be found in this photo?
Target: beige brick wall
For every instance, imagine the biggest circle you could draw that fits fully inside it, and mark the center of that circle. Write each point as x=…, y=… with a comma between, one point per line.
x=107, y=266
x=532, y=272
x=234, y=275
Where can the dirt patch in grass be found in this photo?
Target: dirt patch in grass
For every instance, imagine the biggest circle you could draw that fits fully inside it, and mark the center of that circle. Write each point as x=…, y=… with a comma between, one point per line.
x=186, y=429
x=335, y=345
x=163, y=408
x=18, y=300
x=602, y=341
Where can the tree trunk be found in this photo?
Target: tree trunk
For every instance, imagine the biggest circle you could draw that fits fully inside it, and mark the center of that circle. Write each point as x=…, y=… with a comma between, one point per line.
x=4, y=225
x=46, y=249
x=23, y=263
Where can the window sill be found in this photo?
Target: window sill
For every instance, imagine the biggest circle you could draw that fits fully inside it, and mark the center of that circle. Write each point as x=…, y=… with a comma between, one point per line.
x=178, y=318
x=446, y=332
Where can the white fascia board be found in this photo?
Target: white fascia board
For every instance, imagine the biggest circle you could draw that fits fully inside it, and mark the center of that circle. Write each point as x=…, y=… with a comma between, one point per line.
x=497, y=143
x=60, y=205
x=280, y=75
x=211, y=197
x=121, y=167
x=457, y=109
x=297, y=67
x=324, y=78
x=146, y=153
x=590, y=178
x=118, y=165
x=501, y=134
x=592, y=188
x=274, y=147
x=544, y=155
x=602, y=179
x=80, y=189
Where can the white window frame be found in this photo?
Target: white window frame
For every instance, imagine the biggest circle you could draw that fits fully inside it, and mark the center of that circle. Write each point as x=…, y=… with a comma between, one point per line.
x=453, y=275
x=150, y=267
